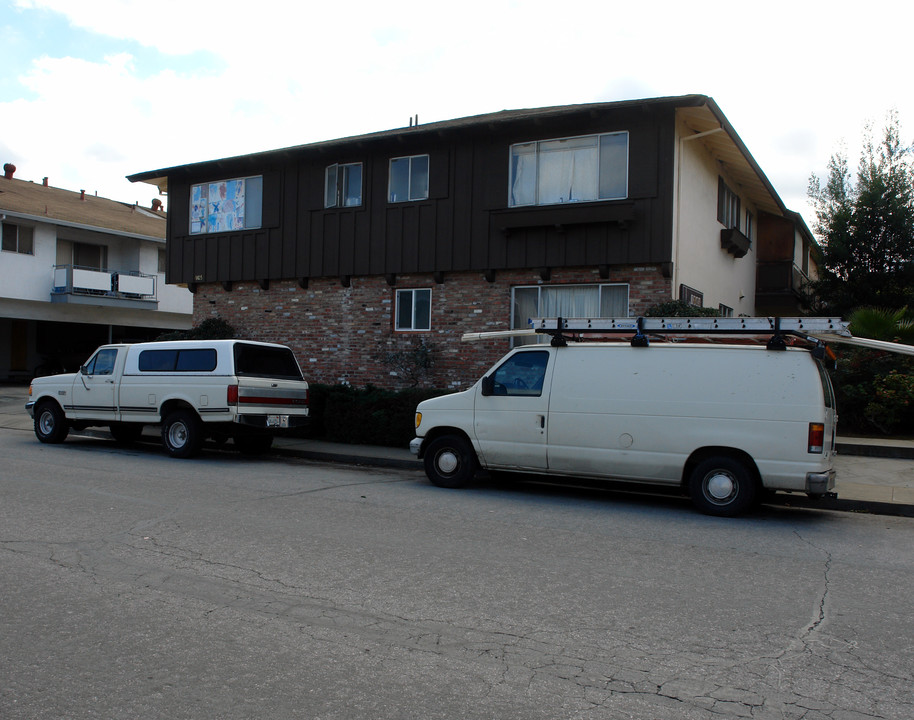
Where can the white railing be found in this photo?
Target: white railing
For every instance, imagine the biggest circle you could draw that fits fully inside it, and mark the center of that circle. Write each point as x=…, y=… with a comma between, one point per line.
x=75, y=280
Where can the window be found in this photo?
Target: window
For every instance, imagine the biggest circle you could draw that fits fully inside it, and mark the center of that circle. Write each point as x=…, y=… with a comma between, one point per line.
x=102, y=363
x=727, y=205
x=191, y=360
x=226, y=205
x=162, y=261
x=725, y=310
x=343, y=185
x=90, y=257
x=566, y=301
x=691, y=296
x=408, y=179
x=579, y=169
x=18, y=239
x=414, y=310
x=265, y=361
x=749, y=223
x=521, y=374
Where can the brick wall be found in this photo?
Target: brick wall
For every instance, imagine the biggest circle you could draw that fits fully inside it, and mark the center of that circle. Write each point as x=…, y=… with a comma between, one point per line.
x=345, y=334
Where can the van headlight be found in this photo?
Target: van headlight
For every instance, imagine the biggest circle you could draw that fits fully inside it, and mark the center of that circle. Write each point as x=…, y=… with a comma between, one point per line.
x=418, y=419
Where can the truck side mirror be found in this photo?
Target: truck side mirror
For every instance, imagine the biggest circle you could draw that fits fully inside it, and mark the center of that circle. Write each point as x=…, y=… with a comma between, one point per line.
x=488, y=385
x=83, y=370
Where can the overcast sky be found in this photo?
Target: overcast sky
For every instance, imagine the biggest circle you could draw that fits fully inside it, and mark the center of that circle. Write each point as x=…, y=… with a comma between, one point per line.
x=94, y=90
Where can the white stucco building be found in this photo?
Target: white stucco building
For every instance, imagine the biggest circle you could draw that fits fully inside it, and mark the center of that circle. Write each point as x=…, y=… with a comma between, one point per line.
x=77, y=270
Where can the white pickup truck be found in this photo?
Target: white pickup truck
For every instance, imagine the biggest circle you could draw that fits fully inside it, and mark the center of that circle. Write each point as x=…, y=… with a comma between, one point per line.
x=196, y=389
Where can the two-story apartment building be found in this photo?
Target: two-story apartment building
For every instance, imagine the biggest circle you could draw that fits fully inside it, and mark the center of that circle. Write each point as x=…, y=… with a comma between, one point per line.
x=364, y=252
x=76, y=271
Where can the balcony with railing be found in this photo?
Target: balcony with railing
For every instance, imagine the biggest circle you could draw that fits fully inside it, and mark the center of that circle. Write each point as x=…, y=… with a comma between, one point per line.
x=90, y=286
x=779, y=287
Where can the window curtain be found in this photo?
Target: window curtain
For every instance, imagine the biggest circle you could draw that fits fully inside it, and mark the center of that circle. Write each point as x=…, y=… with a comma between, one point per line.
x=568, y=170
x=523, y=175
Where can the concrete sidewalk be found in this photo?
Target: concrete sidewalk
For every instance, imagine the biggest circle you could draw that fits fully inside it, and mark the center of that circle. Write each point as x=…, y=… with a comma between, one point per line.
x=873, y=475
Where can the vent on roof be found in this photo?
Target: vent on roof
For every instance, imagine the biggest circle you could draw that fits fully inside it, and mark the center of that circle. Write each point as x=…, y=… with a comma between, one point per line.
x=8, y=170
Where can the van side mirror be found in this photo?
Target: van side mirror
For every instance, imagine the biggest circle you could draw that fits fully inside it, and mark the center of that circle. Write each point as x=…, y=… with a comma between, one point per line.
x=83, y=370
x=488, y=385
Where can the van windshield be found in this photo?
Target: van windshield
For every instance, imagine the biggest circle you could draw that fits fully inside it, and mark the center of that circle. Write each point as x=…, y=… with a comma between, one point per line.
x=271, y=362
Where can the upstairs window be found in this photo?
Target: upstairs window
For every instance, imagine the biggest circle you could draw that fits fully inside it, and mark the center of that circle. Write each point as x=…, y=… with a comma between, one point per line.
x=414, y=310
x=18, y=239
x=408, y=179
x=727, y=205
x=577, y=169
x=226, y=205
x=343, y=185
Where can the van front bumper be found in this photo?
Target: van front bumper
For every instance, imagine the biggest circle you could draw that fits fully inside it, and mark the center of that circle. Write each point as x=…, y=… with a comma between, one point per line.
x=820, y=483
x=30, y=408
x=415, y=445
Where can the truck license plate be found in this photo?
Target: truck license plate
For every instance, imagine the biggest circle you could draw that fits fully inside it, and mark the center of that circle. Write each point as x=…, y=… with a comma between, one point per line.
x=280, y=421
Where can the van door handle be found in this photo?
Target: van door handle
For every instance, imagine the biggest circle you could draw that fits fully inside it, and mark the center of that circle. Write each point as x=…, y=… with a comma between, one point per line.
x=542, y=421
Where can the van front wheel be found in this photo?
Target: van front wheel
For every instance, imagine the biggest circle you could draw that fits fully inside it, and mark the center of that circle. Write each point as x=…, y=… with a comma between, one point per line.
x=450, y=462
x=722, y=486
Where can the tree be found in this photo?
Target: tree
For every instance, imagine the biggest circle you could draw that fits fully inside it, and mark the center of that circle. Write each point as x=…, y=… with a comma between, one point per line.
x=866, y=228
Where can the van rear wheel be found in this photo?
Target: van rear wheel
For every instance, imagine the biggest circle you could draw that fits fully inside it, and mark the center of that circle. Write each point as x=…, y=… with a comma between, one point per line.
x=722, y=486
x=450, y=461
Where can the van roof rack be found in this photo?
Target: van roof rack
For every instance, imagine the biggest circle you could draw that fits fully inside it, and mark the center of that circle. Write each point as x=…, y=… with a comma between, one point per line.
x=564, y=329
x=642, y=327
x=815, y=330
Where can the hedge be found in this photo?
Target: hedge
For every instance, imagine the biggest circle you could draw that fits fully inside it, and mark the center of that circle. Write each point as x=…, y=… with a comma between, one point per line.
x=366, y=416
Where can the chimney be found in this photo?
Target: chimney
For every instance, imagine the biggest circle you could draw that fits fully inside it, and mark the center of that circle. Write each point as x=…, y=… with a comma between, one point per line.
x=44, y=181
x=82, y=194
x=8, y=170
x=156, y=204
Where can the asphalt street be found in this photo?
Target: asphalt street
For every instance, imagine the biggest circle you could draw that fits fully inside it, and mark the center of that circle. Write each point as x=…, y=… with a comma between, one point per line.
x=134, y=585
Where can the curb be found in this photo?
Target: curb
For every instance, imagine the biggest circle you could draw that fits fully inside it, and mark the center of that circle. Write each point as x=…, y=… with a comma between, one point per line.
x=891, y=452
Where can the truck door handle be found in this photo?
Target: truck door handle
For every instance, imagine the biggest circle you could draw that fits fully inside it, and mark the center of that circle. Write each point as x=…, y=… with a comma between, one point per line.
x=542, y=421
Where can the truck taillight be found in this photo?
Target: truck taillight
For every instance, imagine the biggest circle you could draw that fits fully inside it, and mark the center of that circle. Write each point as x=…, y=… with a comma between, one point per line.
x=231, y=395
x=816, y=437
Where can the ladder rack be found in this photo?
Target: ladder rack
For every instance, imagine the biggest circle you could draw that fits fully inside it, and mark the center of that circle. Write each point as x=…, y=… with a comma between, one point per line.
x=564, y=329
x=805, y=328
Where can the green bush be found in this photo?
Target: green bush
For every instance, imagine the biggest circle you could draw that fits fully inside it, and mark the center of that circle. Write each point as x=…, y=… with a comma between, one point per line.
x=209, y=329
x=366, y=416
x=875, y=391
x=680, y=308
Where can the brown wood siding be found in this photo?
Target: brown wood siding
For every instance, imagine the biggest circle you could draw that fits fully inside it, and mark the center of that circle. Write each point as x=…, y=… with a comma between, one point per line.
x=464, y=225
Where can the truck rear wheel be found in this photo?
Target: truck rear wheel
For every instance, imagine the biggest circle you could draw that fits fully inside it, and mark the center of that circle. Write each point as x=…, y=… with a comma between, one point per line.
x=722, y=486
x=51, y=424
x=182, y=434
x=450, y=461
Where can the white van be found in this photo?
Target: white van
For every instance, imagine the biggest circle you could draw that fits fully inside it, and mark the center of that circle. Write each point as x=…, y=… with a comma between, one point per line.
x=723, y=422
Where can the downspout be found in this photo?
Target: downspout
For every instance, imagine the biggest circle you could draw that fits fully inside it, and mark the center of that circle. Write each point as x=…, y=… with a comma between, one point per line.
x=677, y=229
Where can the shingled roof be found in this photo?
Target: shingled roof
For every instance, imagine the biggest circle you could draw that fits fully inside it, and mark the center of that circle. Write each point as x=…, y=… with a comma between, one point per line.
x=40, y=202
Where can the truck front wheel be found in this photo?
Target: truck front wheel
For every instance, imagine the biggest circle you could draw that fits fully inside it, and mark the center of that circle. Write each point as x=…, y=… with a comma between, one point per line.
x=182, y=434
x=450, y=461
x=722, y=486
x=51, y=424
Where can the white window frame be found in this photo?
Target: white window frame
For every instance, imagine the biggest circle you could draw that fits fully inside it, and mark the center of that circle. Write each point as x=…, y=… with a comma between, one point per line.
x=517, y=175
x=205, y=217
x=520, y=323
x=335, y=182
x=22, y=232
x=414, y=191
x=412, y=293
x=728, y=205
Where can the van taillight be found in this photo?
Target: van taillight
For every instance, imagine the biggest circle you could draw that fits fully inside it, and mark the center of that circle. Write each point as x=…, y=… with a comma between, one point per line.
x=816, y=437
x=231, y=394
